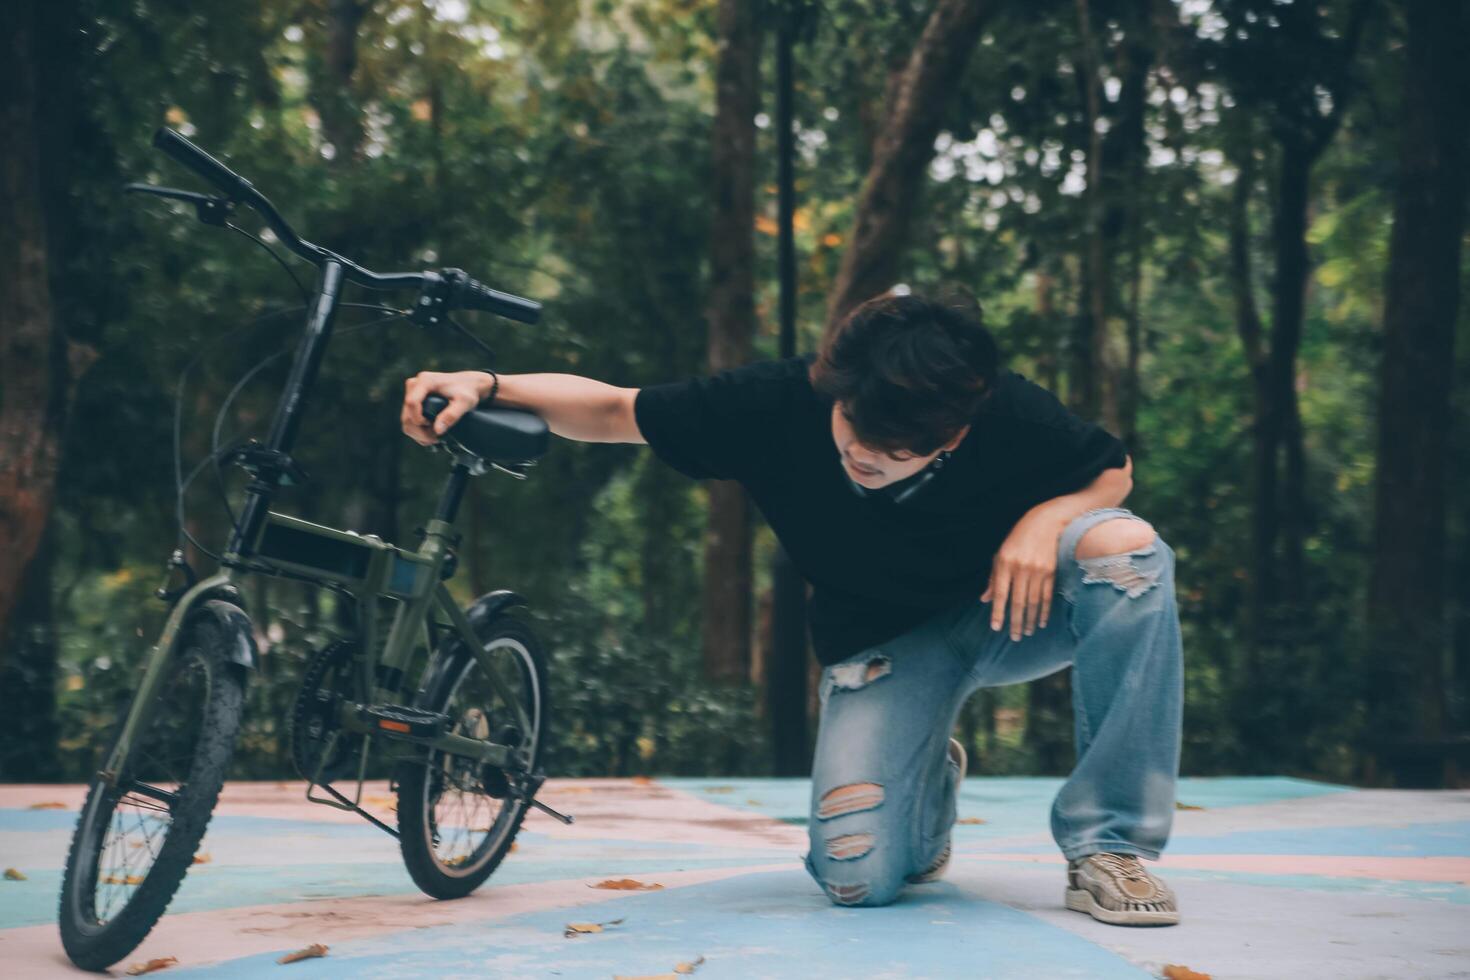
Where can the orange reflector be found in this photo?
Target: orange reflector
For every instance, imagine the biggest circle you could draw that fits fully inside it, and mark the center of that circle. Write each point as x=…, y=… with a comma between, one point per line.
x=393, y=726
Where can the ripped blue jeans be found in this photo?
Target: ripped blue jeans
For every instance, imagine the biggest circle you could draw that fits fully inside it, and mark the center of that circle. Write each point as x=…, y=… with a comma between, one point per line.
x=883, y=788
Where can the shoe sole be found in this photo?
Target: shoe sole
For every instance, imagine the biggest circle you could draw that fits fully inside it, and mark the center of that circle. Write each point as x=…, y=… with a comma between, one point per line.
x=938, y=872
x=1081, y=900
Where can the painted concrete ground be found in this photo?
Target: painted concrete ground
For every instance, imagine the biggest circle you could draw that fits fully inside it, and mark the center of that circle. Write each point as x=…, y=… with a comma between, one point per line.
x=1275, y=878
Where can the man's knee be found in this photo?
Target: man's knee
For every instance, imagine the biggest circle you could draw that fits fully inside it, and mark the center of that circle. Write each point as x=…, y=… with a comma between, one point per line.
x=1116, y=536
x=870, y=878
x=851, y=860
x=1115, y=552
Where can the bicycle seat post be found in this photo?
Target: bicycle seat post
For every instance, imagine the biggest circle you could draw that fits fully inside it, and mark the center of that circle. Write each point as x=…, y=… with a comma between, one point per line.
x=453, y=493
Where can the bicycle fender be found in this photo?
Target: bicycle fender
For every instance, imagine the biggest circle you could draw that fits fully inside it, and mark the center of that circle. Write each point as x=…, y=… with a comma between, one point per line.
x=240, y=645
x=482, y=610
x=492, y=604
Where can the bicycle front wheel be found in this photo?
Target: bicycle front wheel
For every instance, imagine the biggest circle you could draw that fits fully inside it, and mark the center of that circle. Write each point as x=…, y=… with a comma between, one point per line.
x=136, y=837
x=455, y=820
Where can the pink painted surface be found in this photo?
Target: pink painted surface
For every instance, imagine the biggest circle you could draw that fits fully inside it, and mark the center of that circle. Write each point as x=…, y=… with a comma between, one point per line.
x=1343, y=915
x=200, y=938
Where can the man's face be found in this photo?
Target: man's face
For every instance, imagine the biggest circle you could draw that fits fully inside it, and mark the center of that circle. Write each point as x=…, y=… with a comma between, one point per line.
x=874, y=468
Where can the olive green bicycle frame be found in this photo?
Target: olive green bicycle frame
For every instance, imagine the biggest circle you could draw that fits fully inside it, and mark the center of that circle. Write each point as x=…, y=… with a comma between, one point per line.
x=413, y=578
x=265, y=542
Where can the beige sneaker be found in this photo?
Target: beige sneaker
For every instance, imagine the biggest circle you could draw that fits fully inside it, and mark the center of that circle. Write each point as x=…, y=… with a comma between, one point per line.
x=936, y=870
x=1115, y=888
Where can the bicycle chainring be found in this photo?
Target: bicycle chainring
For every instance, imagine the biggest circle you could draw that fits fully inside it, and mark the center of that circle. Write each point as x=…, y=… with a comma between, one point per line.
x=324, y=685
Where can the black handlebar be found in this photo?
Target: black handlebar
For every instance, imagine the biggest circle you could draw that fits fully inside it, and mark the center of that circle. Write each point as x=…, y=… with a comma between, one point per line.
x=235, y=187
x=466, y=293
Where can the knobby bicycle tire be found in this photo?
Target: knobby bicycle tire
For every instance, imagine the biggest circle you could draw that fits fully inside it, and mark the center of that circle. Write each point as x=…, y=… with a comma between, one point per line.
x=94, y=944
x=415, y=820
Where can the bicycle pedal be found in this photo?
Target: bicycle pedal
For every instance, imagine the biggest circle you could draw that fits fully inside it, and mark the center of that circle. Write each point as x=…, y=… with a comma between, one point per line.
x=401, y=720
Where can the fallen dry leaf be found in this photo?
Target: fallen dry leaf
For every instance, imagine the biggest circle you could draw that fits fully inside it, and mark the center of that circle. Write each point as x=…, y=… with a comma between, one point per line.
x=969, y=820
x=202, y=858
x=1173, y=972
x=310, y=952
x=48, y=805
x=753, y=803
x=1186, y=806
x=11, y=874
x=512, y=847
x=642, y=780
x=578, y=928
x=161, y=963
x=719, y=789
x=625, y=884
x=115, y=880
x=680, y=970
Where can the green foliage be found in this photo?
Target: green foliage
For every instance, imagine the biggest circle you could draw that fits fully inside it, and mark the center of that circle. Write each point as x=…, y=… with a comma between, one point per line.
x=562, y=151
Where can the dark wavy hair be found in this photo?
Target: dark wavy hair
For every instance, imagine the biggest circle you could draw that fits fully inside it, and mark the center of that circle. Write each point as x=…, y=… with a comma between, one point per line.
x=909, y=371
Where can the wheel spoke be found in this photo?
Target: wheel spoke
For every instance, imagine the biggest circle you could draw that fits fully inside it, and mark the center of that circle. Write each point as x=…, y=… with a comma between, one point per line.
x=467, y=824
x=154, y=782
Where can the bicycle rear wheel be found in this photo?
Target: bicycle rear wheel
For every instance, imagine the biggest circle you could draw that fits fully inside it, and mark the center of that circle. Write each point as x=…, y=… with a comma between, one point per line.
x=136, y=838
x=455, y=821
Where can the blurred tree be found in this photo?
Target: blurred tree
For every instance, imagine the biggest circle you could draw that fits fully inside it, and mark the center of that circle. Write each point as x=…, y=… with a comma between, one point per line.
x=732, y=322
x=1293, y=66
x=913, y=113
x=1407, y=585
x=40, y=366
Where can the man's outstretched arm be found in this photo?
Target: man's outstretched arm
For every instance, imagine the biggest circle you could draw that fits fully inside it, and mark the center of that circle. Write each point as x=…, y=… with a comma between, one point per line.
x=574, y=407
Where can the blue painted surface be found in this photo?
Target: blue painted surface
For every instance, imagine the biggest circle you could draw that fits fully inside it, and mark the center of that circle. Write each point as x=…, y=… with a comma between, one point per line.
x=778, y=924
x=1445, y=839
x=775, y=925
x=1006, y=797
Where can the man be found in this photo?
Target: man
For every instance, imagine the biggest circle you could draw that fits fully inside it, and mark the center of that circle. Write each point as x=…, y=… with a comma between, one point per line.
x=903, y=470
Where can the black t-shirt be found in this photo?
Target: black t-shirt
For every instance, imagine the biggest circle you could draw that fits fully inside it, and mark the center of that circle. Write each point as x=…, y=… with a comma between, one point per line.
x=877, y=567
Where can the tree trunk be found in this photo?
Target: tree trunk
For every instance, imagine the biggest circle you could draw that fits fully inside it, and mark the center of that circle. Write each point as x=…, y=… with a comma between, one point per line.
x=1124, y=152
x=28, y=678
x=1114, y=170
x=731, y=316
x=1248, y=325
x=1406, y=596
x=33, y=351
x=1293, y=266
x=333, y=93
x=901, y=154
x=785, y=672
x=1089, y=353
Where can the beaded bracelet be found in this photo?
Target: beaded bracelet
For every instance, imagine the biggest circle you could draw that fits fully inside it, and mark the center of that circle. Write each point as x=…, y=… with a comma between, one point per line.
x=494, y=386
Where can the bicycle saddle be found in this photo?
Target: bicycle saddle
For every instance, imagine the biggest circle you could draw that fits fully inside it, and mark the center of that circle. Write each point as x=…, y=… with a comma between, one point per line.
x=499, y=435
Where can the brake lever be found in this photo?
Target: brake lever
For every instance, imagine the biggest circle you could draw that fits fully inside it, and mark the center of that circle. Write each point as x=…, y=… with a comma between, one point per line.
x=210, y=210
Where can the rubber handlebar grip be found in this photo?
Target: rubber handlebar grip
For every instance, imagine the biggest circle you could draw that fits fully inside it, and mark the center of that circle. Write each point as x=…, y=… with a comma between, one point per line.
x=232, y=184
